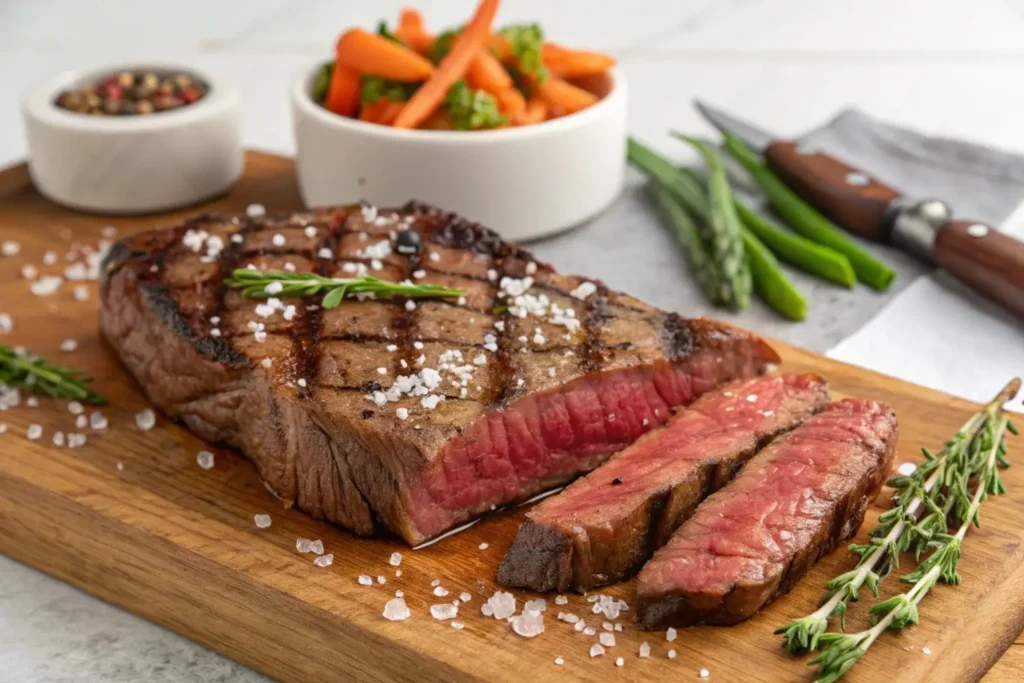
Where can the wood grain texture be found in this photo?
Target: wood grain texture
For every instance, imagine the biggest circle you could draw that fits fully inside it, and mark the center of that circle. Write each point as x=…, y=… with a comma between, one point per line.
x=177, y=544
x=989, y=262
x=824, y=181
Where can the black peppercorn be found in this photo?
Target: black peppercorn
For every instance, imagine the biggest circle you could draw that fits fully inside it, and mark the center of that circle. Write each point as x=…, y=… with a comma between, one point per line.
x=616, y=481
x=408, y=242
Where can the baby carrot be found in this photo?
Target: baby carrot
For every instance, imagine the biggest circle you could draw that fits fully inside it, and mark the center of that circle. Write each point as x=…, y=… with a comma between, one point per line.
x=412, y=32
x=343, y=91
x=566, y=63
x=534, y=112
x=467, y=44
x=374, y=55
x=559, y=94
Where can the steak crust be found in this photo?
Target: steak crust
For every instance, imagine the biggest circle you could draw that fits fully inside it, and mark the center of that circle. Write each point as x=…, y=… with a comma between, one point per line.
x=793, y=503
x=525, y=400
x=604, y=526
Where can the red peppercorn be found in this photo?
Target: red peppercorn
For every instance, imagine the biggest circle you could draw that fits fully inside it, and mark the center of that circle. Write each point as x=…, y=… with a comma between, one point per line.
x=113, y=91
x=189, y=95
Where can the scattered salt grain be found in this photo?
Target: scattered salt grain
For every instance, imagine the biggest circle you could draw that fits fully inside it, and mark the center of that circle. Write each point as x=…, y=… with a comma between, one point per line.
x=324, y=560
x=395, y=559
x=537, y=605
x=68, y=345
x=620, y=661
x=579, y=626
x=926, y=650
x=32, y=402
x=559, y=661
x=458, y=625
x=3, y=428
x=670, y=634
x=255, y=211
x=645, y=649
x=402, y=413
x=10, y=248
x=262, y=521
x=382, y=371
x=29, y=272
x=435, y=582
x=119, y=466
x=396, y=610
x=607, y=639
x=318, y=547
x=671, y=654
x=568, y=617
x=607, y=627
x=50, y=258
x=398, y=572
x=618, y=627
x=440, y=591
x=399, y=593
x=752, y=398
x=80, y=293
x=204, y=459
x=419, y=274
x=465, y=597
x=483, y=546
x=109, y=231
x=46, y=285
x=444, y=611
x=324, y=252
x=410, y=305
x=589, y=631
x=77, y=272
x=304, y=545
x=97, y=421
x=584, y=290
x=906, y=469
x=6, y=323
x=237, y=238
x=309, y=231
x=302, y=382
x=266, y=362
x=75, y=408
x=145, y=419
x=34, y=432
x=561, y=600
x=381, y=579
x=278, y=240
x=501, y=605
x=76, y=440
x=81, y=422
x=596, y=650
x=704, y=673
x=58, y=439
x=274, y=287
x=528, y=624
x=365, y=580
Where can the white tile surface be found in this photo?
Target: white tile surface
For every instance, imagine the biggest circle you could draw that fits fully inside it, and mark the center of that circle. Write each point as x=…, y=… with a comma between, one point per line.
x=943, y=66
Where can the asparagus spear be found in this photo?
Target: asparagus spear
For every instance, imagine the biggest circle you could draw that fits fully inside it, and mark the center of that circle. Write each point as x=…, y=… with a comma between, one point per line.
x=726, y=242
x=689, y=234
x=803, y=218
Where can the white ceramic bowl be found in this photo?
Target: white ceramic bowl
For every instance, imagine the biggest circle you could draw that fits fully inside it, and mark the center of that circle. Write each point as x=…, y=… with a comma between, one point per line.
x=523, y=182
x=133, y=164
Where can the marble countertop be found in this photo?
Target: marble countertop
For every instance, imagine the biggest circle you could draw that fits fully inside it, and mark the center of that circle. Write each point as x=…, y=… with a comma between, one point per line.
x=922, y=63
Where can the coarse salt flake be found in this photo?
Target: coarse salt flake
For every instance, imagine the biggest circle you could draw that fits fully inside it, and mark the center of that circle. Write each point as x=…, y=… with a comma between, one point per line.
x=559, y=661
x=607, y=639
x=145, y=419
x=46, y=285
x=671, y=654
x=204, y=459
x=440, y=591
x=704, y=673
x=670, y=634
x=6, y=323
x=395, y=559
x=619, y=661
x=402, y=413
x=10, y=248
x=538, y=605
x=255, y=211
x=324, y=560
x=34, y=432
x=303, y=545
x=75, y=408
x=561, y=600
x=262, y=521
x=58, y=439
x=465, y=597
x=584, y=290
x=483, y=546
x=645, y=649
x=501, y=605
x=97, y=421
x=926, y=650
x=596, y=650
x=906, y=469
x=528, y=624
x=266, y=362
x=274, y=287
x=444, y=611
x=396, y=610
x=458, y=625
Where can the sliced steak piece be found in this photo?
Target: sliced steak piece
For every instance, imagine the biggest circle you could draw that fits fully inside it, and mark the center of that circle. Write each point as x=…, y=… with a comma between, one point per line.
x=602, y=527
x=532, y=379
x=752, y=541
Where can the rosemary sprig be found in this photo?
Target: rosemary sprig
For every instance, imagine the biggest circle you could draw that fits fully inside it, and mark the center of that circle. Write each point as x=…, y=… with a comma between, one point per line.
x=283, y=283
x=900, y=529
x=23, y=370
x=843, y=650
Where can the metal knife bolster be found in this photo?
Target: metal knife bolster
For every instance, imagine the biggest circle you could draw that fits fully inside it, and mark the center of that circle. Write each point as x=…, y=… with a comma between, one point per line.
x=914, y=224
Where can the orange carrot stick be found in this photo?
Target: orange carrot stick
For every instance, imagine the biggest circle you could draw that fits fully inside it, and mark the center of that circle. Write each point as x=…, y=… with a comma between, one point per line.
x=439, y=120
x=412, y=31
x=566, y=63
x=500, y=47
x=375, y=55
x=453, y=67
x=486, y=73
x=534, y=112
x=564, y=96
x=343, y=91
x=511, y=103
x=389, y=111
x=370, y=111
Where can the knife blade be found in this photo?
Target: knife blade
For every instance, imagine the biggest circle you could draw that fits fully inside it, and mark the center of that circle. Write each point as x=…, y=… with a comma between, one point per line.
x=981, y=257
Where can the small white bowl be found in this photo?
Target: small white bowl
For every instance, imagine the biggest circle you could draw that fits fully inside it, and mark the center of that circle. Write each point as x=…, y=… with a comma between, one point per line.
x=133, y=164
x=523, y=182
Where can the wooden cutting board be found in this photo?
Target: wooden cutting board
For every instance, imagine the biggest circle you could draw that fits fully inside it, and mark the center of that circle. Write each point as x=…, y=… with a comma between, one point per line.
x=131, y=518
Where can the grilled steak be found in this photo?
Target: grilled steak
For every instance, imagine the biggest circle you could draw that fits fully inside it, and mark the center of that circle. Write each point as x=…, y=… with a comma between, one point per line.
x=605, y=525
x=752, y=541
x=409, y=417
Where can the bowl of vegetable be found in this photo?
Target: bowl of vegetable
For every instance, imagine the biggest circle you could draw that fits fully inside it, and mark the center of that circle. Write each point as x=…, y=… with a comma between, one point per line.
x=495, y=123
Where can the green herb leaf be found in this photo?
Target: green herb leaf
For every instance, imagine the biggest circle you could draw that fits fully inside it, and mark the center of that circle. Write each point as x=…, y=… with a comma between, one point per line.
x=527, y=41
x=472, y=109
x=374, y=88
x=282, y=283
x=383, y=30
x=323, y=81
x=443, y=44
x=24, y=370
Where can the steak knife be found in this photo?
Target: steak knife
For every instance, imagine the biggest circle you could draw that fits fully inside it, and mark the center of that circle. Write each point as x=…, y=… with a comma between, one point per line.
x=976, y=254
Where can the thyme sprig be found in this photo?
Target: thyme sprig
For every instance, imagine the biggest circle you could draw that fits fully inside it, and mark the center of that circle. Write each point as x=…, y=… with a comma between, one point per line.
x=922, y=505
x=843, y=650
x=283, y=283
x=21, y=369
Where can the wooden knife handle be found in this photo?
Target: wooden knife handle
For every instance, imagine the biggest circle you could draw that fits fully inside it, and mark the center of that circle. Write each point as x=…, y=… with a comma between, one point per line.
x=985, y=260
x=848, y=197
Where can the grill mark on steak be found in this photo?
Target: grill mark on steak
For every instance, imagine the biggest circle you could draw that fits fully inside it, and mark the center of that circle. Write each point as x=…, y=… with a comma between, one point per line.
x=341, y=457
x=750, y=542
x=613, y=519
